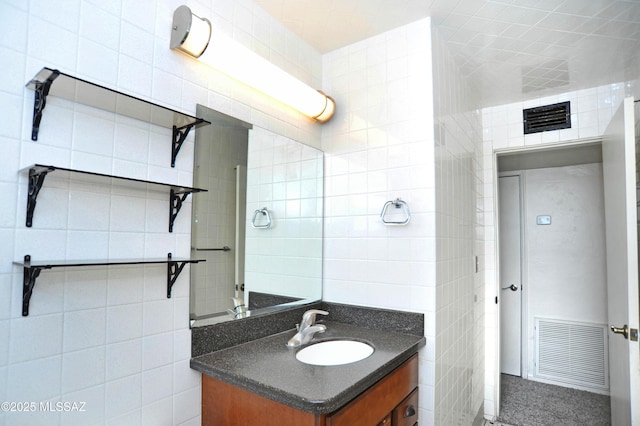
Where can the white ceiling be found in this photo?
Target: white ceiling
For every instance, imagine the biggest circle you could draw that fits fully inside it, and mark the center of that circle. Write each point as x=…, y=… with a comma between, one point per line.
x=510, y=49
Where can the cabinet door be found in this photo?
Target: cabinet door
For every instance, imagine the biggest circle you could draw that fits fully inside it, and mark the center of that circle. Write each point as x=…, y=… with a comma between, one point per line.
x=378, y=401
x=224, y=404
x=386, y=421
x=406, y=413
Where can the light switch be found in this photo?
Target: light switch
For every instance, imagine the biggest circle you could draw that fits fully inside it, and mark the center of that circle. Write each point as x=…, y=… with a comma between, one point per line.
x=543, y=219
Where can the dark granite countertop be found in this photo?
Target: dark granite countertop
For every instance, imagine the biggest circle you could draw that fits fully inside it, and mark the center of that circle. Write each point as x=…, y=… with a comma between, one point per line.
x=269, y=368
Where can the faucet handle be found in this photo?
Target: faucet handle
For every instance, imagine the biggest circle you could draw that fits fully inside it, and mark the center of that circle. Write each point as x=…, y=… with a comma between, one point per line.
x=309, y=317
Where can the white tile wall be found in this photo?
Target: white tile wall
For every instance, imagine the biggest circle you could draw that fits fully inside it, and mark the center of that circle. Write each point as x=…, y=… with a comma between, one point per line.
x=591, y=111
x=378, y=147
x=109, y=336
x=459, y=343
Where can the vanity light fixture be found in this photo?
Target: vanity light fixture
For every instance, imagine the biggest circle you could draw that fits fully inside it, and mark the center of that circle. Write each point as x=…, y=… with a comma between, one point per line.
x=192, y=34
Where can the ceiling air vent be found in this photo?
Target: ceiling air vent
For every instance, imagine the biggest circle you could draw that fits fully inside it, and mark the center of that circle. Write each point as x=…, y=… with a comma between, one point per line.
x=548, y=117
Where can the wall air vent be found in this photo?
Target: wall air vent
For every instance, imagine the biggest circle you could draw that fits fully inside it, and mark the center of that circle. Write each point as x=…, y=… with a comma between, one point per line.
x=548, y=117
x=572, y=353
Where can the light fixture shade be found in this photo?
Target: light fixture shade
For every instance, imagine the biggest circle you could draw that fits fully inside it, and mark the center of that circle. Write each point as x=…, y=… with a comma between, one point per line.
x=190, y=33
x=329, y=109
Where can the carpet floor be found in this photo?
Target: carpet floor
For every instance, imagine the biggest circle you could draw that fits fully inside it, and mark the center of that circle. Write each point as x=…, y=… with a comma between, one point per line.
x=529, y=403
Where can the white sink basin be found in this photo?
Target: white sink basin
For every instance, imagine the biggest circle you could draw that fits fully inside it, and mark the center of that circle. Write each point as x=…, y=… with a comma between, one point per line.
x=334, y=352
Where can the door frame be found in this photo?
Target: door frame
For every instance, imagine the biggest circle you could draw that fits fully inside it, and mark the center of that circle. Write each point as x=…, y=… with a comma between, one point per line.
x=622, y=276
x=524, y=306
x=493, y=293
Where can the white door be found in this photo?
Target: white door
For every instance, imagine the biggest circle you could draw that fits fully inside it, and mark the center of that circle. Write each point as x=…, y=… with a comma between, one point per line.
x=510, y=297
x=241, y=225
x=619, y=171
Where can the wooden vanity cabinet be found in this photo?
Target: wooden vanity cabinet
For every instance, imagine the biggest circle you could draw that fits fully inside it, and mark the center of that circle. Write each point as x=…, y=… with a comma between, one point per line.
x=392, y=401
x=406, y=414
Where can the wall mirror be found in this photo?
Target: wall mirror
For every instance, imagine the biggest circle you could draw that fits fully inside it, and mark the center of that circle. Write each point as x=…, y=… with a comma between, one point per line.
x=259, y=226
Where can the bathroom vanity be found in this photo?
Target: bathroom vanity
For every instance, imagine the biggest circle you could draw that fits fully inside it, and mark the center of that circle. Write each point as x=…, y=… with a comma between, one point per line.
x=262, y=382
x=393, y=400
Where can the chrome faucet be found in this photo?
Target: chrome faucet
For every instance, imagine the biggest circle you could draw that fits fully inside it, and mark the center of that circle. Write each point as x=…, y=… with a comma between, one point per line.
x=307, y=328
x=239, y=309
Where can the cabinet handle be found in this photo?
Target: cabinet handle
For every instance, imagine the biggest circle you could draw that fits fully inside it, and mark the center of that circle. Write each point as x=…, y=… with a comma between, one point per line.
x=409, y=412
x=385, y=421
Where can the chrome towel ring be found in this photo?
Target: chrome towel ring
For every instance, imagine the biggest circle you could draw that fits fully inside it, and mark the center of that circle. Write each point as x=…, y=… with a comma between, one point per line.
x=398, y=204
x=256, y=219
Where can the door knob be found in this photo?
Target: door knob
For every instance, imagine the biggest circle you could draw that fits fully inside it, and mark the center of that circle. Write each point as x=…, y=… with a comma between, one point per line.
x=624, y=330
x=512, y=287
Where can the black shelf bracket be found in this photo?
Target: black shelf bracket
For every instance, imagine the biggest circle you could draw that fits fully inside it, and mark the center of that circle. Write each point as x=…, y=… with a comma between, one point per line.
x=173, y=271
x=36, y=179
x=41, y=91
x=175, y=204
x=30, y=273
x=179, y=136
